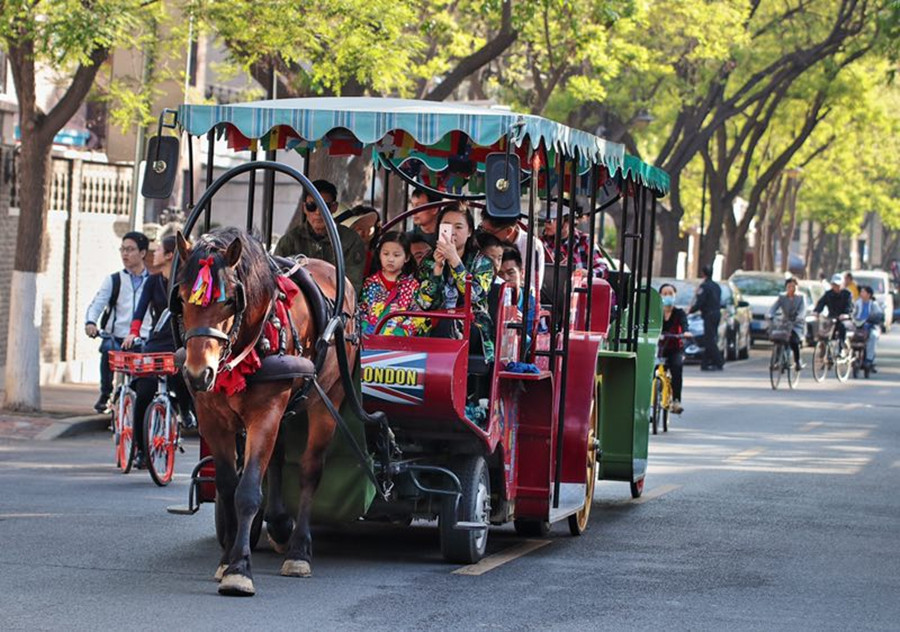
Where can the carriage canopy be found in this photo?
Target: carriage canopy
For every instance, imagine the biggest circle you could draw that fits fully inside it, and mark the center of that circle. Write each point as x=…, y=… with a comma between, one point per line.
x=442, y=136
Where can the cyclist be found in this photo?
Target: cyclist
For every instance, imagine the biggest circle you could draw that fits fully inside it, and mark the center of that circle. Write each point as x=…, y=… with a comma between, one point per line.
x=674, y=324
x=793, y=310
x=868, y=314
x=839, y=303
x=155, y=297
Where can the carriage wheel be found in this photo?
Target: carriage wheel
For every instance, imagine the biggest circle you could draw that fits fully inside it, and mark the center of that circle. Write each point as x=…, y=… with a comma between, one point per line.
x=526, y=528
x=125, y=425
x=775, y=366
x=160, y=439
x=843, y=364
x=578, y=521
x=255, y=527
x=820, y=361
x=637, y=488
x=656, y=410
x=467, y=546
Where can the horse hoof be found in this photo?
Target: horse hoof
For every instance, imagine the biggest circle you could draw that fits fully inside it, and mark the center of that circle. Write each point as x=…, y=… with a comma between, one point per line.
x=296, y=568
x=277, y=547
x=236, y=585
x=220, y=572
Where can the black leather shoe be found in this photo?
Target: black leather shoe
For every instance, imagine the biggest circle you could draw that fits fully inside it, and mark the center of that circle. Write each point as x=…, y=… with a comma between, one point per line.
x=102, y=404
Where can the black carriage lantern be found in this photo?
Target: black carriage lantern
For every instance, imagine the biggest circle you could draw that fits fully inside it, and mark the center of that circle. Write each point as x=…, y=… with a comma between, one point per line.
x=161, y=167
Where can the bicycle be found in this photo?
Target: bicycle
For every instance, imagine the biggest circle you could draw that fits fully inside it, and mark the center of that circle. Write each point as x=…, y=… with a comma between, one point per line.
x=858, y=350
x=830, y=351
x=782, y=361
x=162, y=430
x=661, y=390
x=121, y=406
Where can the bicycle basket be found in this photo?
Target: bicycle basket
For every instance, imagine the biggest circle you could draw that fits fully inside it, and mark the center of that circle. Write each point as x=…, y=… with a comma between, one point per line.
x=780, y=333
x=826, y=329
x=142, y=364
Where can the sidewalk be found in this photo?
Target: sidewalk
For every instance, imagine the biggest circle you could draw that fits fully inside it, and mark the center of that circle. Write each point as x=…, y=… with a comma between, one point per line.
x=67, y=409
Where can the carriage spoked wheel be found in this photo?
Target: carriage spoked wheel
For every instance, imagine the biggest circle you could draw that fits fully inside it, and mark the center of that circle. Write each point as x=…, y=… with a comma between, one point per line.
x=125, y=448
x=467, y=545
x=160, y=439
x=578, y=521
x=820, y=361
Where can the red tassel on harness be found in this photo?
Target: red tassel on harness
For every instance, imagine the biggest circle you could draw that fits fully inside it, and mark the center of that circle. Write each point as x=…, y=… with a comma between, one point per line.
x=202, y=292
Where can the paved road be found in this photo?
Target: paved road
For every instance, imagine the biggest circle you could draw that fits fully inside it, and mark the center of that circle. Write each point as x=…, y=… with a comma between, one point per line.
x=763, y=511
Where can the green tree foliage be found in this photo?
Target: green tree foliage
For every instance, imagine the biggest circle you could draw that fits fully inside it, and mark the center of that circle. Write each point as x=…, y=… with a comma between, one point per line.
x=73, y=39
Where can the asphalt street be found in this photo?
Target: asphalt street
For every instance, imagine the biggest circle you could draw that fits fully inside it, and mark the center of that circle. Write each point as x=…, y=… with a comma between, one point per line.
x=763, y=510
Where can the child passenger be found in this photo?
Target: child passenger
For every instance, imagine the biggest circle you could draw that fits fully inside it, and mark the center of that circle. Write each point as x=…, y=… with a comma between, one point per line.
x=392, y=288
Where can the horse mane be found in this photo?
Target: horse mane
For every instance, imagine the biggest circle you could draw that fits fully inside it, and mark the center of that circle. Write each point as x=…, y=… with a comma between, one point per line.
x=252, y=269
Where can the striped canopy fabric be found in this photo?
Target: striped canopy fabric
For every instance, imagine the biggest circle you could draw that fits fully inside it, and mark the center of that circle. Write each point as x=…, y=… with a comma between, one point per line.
x=371, y=119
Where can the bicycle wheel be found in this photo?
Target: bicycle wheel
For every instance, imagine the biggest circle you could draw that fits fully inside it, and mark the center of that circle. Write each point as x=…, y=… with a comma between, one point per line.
x=793, y=374
x=160, y=439
x=843, y=363
x=657, y=404
x=820, y=361
x=126, y=431
x=775, y=366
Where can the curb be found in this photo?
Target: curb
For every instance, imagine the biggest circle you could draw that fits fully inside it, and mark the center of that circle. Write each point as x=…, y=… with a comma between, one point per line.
x=71, y=426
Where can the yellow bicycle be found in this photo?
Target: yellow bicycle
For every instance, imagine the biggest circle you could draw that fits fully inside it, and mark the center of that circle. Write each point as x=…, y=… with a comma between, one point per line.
x=661, y=390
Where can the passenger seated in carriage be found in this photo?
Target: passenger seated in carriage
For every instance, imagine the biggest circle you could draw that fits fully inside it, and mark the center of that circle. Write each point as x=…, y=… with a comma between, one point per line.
x=442, y=276
x=511, y=273
x=419, y=248
x=391, y=288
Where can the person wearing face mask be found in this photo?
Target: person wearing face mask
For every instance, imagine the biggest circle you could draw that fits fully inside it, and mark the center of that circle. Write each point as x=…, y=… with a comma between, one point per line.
x=674, y=324
x=792, y=307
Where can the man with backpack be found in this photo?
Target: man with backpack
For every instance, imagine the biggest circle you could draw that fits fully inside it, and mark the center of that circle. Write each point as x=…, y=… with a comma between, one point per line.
x=109, y=314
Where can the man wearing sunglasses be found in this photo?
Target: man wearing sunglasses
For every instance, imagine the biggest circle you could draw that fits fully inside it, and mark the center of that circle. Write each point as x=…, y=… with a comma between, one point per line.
x=311, y=237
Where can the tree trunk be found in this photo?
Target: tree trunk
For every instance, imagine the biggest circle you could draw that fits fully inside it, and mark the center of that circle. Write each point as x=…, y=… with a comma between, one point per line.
x=672, y=242
x=22, y=375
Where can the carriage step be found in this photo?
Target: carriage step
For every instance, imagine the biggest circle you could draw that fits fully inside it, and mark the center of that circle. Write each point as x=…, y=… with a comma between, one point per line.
x=181, y=510
x=470, y=526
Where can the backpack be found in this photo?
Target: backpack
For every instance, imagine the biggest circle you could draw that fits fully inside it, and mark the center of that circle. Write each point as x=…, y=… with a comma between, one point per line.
x=113, y=299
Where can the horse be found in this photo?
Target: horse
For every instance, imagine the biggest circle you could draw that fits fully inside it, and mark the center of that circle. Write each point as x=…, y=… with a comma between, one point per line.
x=227, y=290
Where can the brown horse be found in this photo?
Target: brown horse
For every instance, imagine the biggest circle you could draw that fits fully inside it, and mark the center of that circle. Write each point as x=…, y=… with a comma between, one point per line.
x=241, y=289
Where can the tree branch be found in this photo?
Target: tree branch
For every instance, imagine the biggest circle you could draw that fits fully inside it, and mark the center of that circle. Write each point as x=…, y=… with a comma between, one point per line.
x=481, y=57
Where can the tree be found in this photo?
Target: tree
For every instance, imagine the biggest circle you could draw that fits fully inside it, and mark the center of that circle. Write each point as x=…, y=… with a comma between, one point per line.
x=74, y=39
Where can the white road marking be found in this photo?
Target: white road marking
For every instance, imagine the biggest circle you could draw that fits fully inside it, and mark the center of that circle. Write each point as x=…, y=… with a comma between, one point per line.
x=491, y=562
x=744, y=455
x=811, y=426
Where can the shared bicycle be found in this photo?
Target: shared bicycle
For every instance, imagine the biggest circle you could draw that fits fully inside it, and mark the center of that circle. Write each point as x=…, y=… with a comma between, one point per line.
x=661, y=389
x=782, y=362
x=162, y=432
x=831, y=352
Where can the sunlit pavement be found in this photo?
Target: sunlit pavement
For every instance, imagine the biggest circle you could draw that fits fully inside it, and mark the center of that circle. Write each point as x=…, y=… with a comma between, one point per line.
x=763, y=510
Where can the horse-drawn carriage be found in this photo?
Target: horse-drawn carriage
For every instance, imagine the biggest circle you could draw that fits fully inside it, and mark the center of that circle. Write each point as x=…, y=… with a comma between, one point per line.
x=564, y=402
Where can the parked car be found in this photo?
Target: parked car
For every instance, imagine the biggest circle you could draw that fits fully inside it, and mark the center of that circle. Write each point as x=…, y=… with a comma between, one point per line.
x=736, y=312
x=685, y=290
x=813, y=291
x=881, y=284
x=760, y=290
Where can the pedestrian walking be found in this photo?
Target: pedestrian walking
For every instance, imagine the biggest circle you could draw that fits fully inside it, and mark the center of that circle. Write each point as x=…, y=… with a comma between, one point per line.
x=110, y=313
x=708, y=302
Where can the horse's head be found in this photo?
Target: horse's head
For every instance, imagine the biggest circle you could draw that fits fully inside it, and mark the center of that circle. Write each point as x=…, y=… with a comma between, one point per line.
x=210, y=302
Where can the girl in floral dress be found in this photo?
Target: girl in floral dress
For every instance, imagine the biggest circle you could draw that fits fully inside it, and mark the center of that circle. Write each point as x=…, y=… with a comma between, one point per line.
x=392, y=288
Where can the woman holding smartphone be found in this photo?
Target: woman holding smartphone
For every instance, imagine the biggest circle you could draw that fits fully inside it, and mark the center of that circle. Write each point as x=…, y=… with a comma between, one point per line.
x=442, y=278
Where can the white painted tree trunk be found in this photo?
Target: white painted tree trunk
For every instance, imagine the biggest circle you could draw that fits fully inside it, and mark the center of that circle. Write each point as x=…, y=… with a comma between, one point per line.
x=24, y=342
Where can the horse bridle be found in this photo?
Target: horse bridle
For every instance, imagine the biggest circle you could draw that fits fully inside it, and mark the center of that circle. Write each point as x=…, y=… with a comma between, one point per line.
x=176, y=309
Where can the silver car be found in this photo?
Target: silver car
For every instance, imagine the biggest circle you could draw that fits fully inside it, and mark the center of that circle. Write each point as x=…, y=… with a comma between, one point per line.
x=760, y=290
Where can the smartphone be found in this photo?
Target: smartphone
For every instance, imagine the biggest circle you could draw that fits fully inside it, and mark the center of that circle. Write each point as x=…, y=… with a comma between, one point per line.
x=446, y=233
